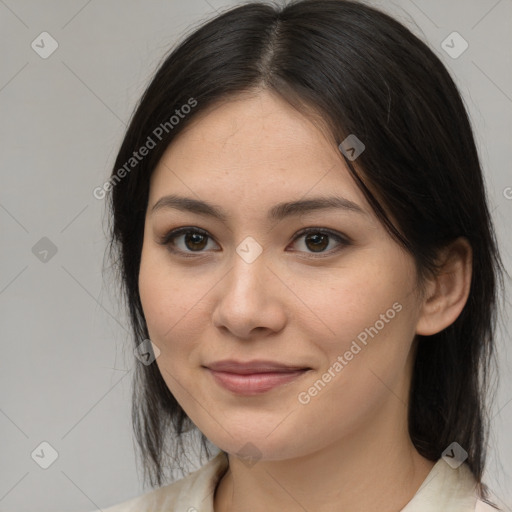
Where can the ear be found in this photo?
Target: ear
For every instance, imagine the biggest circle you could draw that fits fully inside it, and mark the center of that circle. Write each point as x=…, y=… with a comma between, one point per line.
x=447, y=292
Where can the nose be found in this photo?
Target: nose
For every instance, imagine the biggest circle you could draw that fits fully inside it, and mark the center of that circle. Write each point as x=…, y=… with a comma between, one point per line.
x=250, y=300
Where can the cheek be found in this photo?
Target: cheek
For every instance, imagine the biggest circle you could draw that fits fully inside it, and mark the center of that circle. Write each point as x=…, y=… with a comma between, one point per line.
x=163, y=297
x=365, y=369
x=371, y=316
x=175, y=305
x=364, y=300
x=171, y=309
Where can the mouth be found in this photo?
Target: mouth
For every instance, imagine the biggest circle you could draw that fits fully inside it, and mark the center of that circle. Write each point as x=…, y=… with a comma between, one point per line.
x=253, y=377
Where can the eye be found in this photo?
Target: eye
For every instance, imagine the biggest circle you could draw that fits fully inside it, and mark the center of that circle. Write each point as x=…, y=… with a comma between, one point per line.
x=193, y=240
x=317, y=240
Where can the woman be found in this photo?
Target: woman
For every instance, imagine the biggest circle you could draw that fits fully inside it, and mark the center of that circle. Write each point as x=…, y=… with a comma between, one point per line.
x=300, y=226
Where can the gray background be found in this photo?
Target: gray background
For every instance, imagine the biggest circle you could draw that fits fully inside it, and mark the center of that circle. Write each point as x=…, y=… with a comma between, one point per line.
x=66, y=365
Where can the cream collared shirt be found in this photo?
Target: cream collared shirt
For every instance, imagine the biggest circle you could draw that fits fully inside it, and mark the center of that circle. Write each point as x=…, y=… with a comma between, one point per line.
x=444, y=490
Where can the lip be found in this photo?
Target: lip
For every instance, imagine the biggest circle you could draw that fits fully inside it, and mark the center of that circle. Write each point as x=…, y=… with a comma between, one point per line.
x=254, y=366
x=253, y=377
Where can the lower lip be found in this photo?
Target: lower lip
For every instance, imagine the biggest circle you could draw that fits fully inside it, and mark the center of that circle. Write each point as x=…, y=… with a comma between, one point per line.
x=254, y=383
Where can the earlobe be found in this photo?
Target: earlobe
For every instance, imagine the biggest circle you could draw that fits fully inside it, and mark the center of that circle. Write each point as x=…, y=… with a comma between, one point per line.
x=447, y=291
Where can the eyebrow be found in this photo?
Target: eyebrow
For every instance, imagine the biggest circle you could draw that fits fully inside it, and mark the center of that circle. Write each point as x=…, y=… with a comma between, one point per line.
x=276, y=213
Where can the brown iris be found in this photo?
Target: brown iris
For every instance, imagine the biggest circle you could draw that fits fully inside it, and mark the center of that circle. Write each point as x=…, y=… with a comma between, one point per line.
x=195, y=241
x=320, y=241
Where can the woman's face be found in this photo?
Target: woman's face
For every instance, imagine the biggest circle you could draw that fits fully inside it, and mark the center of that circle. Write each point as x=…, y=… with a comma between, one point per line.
x=325, y=324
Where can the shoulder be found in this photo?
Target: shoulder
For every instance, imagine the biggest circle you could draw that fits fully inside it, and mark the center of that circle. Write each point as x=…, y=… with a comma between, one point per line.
x=190, y=494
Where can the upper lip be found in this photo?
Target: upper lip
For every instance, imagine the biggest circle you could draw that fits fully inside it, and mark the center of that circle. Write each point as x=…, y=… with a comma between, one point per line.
x=255, y=366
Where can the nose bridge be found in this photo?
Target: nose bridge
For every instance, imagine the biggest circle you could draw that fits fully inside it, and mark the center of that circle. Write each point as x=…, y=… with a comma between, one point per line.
x=248, y=272
x=247, y=298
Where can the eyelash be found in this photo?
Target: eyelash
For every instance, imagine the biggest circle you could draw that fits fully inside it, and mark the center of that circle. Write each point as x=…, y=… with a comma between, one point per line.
x=168, y=240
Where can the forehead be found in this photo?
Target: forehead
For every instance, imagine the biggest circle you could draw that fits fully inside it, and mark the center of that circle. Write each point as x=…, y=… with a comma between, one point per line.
x=252, y=148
